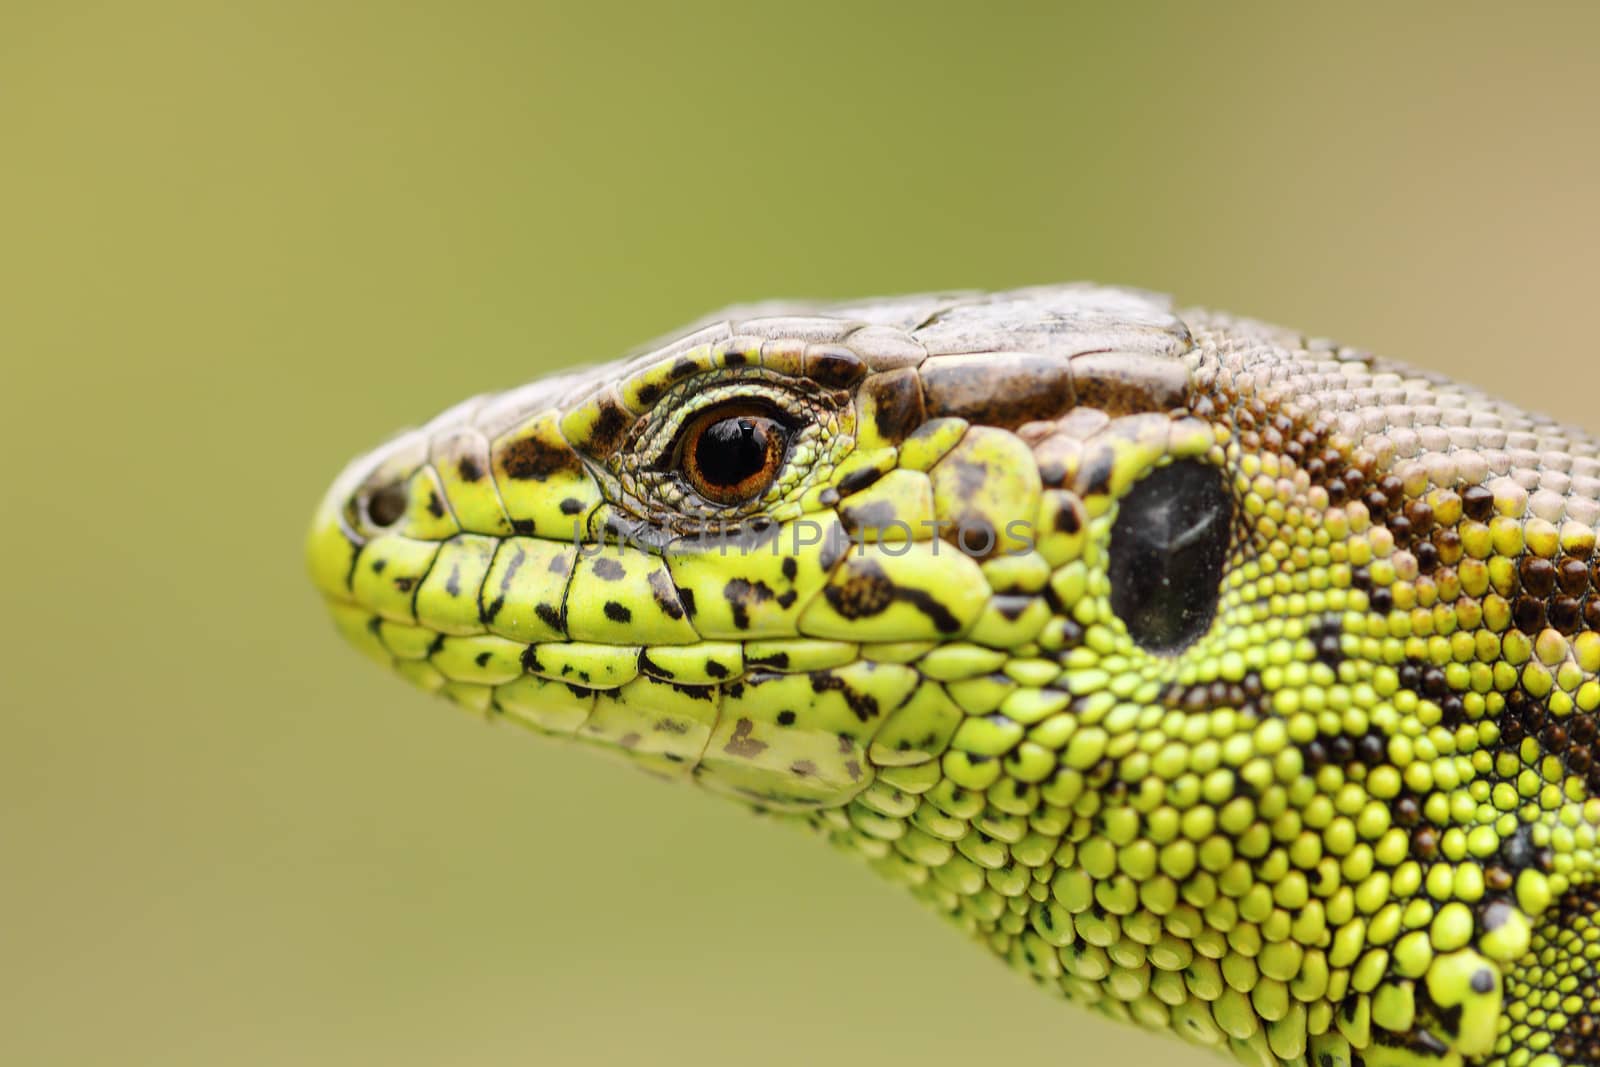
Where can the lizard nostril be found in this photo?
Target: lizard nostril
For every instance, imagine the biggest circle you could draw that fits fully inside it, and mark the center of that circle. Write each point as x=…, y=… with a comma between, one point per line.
x=386, y=505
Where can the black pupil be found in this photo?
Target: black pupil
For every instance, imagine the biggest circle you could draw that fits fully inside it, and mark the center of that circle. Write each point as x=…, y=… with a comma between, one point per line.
x=731, y=450
x=1168, y=549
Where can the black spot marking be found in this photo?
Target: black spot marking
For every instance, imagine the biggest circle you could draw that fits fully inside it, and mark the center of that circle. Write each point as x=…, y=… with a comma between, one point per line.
x=435, y=505
x=715, y=669
x=1095, y=477
x=1067, y=520
x=666, y=596
x=487, y=613
x=529, y=459
x=786, y=718
x=1011, y=606
x=551, y=617
x=898, y=406
x=866, y=592
x=571, y=506
x=468, y=469
x=617, y=612
x=606, y=433
x=1381, y=600
x=482, y=659
x=1325, y=636
x=777, y=661
x=741, y=596
x=789, y=567
x=863, y=705
x=926, y=603
x=858, y=480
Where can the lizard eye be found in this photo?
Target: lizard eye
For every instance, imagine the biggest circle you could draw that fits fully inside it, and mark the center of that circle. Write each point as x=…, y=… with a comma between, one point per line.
x=731, y=453
x=1168, y=549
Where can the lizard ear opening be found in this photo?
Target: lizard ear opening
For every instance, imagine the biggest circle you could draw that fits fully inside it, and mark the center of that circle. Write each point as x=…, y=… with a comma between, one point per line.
x=1168, y=549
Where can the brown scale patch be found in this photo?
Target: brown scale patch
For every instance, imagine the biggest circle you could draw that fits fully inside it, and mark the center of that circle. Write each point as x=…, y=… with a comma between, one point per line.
x=897, y=403
x=868, y=591
x=1571, y=738
x=1124, y=383
x=610, y=427
x=1001, y=389
x=833, y=365
x=1245, y=695
x=535, y=457
x=741, y=744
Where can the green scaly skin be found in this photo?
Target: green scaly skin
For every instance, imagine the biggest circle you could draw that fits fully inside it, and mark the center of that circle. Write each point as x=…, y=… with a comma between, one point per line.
x=1342, y=810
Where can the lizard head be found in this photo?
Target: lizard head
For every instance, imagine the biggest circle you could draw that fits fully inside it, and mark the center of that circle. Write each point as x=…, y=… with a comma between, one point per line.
x=1226, y=681
x=787, y=553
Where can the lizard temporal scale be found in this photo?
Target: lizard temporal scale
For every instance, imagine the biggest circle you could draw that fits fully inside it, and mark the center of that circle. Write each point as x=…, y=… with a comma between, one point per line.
x=1225, y=681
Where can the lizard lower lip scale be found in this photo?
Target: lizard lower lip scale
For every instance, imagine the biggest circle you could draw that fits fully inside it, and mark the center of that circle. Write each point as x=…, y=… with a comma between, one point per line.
x=1224, y=681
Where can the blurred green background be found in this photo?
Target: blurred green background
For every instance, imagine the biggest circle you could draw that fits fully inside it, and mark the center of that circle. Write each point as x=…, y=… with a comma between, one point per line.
x=240, y=242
